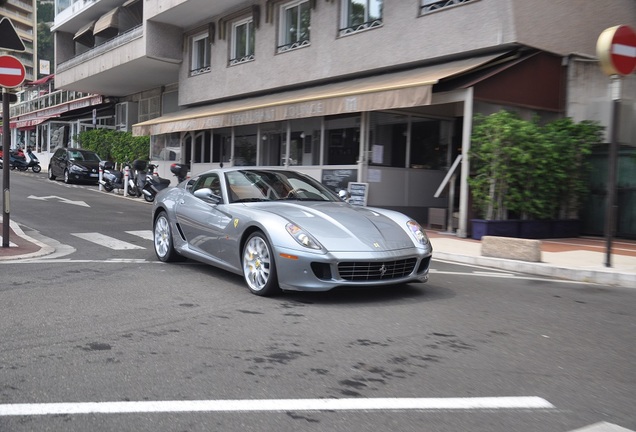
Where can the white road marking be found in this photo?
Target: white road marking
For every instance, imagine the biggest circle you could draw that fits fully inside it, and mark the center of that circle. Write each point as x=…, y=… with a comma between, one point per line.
x=278, y=405
x=106, y=241
x=144, y=234
x=64, y=200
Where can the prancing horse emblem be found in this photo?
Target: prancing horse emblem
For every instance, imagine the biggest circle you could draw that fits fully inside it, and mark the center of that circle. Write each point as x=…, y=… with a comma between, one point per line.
x=383, y=270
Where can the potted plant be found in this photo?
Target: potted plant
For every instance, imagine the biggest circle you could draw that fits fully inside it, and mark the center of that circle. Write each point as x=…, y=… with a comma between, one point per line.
x=573, y=143
x=495, y=150
x=525, y=176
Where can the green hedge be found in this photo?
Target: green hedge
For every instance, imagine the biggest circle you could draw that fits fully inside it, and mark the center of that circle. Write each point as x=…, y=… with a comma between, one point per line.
x=114, y=145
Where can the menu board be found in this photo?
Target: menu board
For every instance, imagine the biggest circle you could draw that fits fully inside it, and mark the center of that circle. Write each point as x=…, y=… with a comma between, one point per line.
x=337, y=179
x=358, y=193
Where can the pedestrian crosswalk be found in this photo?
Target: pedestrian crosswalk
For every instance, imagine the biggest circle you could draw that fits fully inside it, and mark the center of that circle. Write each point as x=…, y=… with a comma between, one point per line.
x=114, y=243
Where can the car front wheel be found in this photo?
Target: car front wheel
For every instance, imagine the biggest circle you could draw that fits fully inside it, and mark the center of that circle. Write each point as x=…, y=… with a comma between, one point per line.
x=162, y=237
x=259, y=268
x=67, y=178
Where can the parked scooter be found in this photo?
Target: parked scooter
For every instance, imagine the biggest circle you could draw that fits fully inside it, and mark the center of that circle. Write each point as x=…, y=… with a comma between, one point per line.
x=180, y=171
x=112, y=178
x=32, y=161
x=153, y=184
x=17, y=160
x=137, y=178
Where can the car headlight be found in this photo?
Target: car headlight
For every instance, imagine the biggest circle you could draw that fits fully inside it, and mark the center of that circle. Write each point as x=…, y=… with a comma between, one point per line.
x=77, y=169
x=418, y=232
x=302, y=237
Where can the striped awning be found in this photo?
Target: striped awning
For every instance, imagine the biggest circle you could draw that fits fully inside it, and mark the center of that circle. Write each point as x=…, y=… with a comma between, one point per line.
x=404, y=89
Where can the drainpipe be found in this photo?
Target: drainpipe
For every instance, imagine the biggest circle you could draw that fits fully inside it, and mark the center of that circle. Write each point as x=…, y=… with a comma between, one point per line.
x=467, y=131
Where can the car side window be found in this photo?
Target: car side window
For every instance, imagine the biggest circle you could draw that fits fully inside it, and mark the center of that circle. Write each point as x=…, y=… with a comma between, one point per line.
x=210, y=181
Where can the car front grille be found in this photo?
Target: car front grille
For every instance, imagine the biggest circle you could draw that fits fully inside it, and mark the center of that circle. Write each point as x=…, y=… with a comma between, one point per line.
x=376, y=270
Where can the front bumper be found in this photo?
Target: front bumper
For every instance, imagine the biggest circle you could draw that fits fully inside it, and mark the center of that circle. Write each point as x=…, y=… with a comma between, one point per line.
x=306, y=271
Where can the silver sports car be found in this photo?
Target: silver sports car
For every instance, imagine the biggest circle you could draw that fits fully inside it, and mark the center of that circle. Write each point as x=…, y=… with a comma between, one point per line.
x=284, y=230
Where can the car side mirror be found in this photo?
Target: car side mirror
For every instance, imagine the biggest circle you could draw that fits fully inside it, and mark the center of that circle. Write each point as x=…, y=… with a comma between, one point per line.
x=207, y=195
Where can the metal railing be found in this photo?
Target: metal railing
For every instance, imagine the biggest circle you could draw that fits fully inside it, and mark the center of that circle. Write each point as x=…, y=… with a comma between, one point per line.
x=47, y=100
x=111, y=44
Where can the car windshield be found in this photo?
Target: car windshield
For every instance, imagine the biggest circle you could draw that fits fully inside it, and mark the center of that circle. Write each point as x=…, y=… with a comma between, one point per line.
x=266, y=185
x=89, y=156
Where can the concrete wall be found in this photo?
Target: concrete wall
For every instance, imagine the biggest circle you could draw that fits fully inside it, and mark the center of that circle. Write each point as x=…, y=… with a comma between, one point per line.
x=560, y=26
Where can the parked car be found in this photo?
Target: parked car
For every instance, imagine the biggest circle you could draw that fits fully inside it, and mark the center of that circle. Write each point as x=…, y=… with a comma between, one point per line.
x=282, y=229
x=74, y=165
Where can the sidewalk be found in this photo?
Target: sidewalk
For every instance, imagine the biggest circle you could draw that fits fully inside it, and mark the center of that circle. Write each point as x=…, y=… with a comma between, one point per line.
x=579, y=259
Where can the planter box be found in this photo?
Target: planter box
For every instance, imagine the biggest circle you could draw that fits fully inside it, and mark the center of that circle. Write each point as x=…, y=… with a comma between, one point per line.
x=499, y=228
x=565, y=228
x=535, y=229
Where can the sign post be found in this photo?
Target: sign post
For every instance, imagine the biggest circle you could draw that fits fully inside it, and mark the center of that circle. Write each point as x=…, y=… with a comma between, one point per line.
x=616, y=50
x=12, y=74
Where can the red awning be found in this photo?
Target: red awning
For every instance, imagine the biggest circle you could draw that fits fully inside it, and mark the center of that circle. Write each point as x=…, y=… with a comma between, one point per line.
x=27, y=124
x=42, y=80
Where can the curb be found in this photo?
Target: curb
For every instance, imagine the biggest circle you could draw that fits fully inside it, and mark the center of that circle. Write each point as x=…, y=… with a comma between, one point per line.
x=625, y=280
x=44, y=248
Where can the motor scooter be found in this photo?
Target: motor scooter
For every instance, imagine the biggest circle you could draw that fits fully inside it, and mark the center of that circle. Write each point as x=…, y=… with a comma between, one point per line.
x=18, y=161
x=32, y=161
x=153, y=184
x=112, y=178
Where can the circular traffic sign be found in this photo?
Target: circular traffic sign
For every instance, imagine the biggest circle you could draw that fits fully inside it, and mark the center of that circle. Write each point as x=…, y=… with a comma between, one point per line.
x=12, y=71
x=616, y=50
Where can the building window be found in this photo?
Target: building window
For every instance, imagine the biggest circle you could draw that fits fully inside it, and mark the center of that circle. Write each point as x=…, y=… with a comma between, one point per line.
x=242, y=42
x=200, y=54
x=433, y=5
x=359, y=15
x=342, y=139
x=295, y=23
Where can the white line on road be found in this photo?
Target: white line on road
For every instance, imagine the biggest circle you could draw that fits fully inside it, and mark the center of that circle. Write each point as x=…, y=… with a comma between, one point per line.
x=278, y=405
x=106, y=241
x=144, y=234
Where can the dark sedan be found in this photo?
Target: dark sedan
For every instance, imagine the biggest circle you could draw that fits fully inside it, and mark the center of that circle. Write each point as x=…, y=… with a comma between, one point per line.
x=74, y=165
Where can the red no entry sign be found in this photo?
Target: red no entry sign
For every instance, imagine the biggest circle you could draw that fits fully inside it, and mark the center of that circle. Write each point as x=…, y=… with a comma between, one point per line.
x=12, y=71
x=616, y=50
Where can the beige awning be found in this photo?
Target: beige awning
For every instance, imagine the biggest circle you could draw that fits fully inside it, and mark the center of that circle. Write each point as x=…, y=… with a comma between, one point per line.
x=108, y=20
x=388, y=91
x=84, y=31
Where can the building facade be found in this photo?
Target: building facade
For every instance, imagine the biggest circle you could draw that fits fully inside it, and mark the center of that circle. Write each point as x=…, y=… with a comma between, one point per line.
x=23, y=16
x=372, y=91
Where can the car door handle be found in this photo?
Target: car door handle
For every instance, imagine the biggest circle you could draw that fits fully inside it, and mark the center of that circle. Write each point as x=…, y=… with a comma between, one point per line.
x=181, y=201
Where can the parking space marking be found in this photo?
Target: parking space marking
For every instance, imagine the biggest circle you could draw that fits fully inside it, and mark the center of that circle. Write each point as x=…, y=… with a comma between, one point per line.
x=106, y=241
x=278, y=405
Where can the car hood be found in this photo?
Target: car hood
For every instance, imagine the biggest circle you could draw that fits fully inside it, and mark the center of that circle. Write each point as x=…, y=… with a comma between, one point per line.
x=341, y=227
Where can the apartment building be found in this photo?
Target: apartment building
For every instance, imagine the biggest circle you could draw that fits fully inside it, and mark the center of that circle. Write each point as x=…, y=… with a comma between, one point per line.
x=22, y=14
x=373, y=91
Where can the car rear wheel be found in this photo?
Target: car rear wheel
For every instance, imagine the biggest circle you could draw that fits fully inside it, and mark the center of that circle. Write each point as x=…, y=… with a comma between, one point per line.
x=259, y=269
x=51, y=176
x=162, y=237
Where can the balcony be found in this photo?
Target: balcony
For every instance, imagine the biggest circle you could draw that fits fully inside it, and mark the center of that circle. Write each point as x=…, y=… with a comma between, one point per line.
x=135, y=60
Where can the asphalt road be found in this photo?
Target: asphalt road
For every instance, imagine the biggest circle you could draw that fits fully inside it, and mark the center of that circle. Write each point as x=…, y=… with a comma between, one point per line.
x=143, y=339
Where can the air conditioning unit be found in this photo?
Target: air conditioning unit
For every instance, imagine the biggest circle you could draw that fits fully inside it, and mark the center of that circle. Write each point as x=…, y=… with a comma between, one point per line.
x=126, y=114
